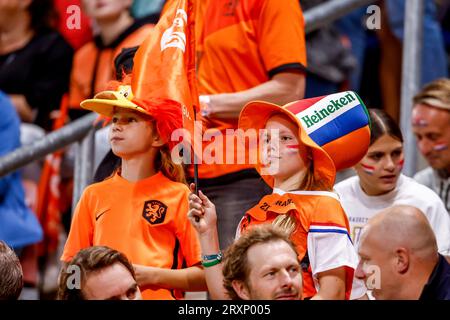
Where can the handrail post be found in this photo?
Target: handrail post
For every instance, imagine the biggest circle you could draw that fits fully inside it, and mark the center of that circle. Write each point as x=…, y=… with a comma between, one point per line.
x=411, y=74
x=84, y=165
x=326, y=13
x=76, y=175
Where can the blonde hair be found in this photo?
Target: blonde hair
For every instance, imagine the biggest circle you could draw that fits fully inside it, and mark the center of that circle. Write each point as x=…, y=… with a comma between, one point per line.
x=288, y=221
x=171, y=170
x=435, y=94
x=164, y=163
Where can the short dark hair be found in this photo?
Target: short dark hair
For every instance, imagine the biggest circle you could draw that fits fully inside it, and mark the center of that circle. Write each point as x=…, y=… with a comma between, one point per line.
x=90, y=260
x=123, y=63
x=43, y=14
x=11, y=275
x=235, y=265
x=381, y=124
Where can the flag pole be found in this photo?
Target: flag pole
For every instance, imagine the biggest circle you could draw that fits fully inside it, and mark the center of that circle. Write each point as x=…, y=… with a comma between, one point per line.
x=195, y=158
x=197, y=219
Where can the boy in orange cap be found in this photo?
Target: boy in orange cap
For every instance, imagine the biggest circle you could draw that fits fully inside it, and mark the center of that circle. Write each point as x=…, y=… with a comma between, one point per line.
x=313, y=138
x=142, y=209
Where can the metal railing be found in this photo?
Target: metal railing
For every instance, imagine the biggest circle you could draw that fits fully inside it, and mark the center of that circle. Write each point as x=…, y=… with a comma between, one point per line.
x=82, y=130
x=323, y=14
x=84, y=165
x=52, y=142
x=411, y=74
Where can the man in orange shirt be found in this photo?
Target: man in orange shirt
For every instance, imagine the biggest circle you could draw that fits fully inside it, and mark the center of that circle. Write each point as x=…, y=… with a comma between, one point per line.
x=248, y=50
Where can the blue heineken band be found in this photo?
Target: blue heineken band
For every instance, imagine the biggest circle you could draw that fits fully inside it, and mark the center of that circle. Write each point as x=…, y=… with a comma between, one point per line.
x=212, y=259
x=217, y=256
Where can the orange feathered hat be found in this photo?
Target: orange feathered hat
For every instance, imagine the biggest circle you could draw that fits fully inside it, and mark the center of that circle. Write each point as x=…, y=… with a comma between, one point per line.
x=166, y=112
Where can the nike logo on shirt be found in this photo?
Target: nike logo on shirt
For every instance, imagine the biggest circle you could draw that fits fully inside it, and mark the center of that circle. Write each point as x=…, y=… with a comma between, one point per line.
x=99, y=215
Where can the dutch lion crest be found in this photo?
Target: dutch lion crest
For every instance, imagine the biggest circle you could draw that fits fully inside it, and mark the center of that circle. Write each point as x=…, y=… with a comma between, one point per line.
x=154, y=211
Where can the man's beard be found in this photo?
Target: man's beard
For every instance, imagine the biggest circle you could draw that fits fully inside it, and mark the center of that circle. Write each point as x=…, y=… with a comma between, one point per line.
x=280, y=293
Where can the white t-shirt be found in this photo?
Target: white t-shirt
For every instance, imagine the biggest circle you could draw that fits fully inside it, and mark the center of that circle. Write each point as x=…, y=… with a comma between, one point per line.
x=433, y=180
x=360, y=207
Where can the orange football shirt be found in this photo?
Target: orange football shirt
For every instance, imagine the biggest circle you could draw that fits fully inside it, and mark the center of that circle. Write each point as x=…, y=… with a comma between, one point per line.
x=240, y=45
x=146, y=220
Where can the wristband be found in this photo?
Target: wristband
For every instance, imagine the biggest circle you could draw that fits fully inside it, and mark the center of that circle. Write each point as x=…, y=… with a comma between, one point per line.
x=212, y=260
x=212, y=263
x=205, y=105
x=213, y=256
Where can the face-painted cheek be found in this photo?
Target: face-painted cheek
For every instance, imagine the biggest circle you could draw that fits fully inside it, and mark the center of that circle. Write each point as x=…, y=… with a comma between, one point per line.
x=368, y=169
x=400, y=164
x=419, y=122
x=440, y=146
x=293, y=148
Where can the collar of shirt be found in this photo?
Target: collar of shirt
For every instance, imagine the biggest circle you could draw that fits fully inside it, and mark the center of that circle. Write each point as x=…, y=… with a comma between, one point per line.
x=438, y=286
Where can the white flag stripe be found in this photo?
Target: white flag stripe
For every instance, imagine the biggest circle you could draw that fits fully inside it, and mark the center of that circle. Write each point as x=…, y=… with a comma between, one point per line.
x=319, y=228
x=323, y=104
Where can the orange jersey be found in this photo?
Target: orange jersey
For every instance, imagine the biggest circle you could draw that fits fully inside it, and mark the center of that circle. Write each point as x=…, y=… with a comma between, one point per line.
x=240, y=45
x=321, y=235
x=146, y=220
x=93, y=64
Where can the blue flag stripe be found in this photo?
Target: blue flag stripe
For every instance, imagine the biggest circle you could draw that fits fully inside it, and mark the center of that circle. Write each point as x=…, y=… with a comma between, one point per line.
x=350, y=121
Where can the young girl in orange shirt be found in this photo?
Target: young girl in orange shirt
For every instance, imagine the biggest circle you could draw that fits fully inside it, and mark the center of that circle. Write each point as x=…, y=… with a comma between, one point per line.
x=142, y=209
x=306, y=141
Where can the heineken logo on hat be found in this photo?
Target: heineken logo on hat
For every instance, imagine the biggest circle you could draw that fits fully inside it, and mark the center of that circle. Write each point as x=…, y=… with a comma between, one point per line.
x=326, y=110
x=333, y=116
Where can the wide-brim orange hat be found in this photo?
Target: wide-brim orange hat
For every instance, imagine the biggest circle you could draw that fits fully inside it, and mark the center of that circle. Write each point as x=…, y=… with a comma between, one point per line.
x=335, y=128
